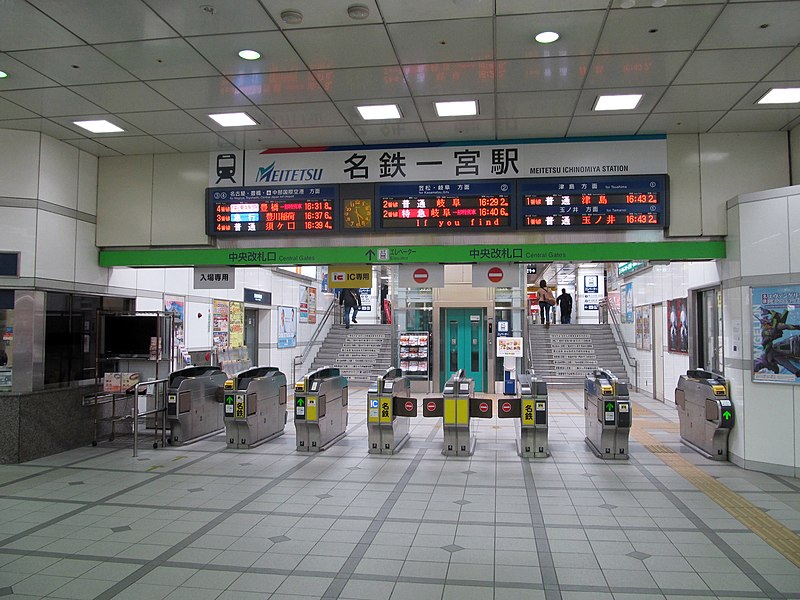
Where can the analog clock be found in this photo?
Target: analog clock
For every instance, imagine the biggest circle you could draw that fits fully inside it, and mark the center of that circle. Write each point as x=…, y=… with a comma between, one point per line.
x=357, y=213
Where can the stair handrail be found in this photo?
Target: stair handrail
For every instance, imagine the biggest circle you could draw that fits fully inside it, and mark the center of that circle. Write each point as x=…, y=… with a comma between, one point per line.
x=300, y=359
x=614, y=321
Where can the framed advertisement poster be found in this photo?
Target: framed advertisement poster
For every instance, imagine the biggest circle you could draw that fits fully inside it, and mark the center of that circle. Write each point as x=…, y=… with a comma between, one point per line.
x=776, y=334
x=643, y=327
x=287, y=327
x=677, y=326
x=626, y=301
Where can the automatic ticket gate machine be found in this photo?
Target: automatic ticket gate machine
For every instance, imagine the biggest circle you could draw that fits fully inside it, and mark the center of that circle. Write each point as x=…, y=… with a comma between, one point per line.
x=530, y=411
x=388, y=408
x=457, y=406
x=320, y=409
x=255, y=406
x=193, y=398
x=705, y=412
x=608, y=414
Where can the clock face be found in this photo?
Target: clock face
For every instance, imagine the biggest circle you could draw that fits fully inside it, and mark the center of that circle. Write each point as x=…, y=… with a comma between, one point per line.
x=357, y=213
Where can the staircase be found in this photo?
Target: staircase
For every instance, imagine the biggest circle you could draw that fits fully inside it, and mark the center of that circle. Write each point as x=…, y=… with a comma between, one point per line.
x=564, y=354
x=361, y=353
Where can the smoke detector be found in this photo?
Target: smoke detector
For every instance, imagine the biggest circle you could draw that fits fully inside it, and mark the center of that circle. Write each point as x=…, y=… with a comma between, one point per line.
x=357, y=12
x=292, y=17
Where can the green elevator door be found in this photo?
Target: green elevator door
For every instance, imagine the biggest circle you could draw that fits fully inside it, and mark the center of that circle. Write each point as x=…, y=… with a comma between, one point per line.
x=463, y=344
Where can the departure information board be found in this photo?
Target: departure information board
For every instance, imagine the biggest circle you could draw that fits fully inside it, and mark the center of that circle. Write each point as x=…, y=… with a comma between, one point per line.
x=587, y=203
x=451, y=206
x=260, y=211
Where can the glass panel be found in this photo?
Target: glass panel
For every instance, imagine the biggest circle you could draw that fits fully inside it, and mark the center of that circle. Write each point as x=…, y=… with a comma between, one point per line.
x=453, y=335
x=6, y=347
x=474, y=335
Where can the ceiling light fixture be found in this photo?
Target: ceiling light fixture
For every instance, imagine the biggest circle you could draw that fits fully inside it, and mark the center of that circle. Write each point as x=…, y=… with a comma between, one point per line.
x=658, y=3
x=379, y=111
x=3, y=74
x=627, y=4
x=547, y=37
x=357, y=12
x=99, y=126
x=780, y=96
x=249, y=54
x=457, y=108
x=292, y=17
x=617, y=102
x=234, y=119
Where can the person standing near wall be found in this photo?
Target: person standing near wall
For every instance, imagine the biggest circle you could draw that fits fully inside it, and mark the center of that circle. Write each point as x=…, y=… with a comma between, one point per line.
x=351, y=300
x=564, y=302
x=546, y=301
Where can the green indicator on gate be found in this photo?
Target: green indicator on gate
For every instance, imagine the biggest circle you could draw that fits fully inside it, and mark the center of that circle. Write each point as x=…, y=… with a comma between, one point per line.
x=727, y=415
x=228, y=404
x=228, y=399
x=609, y=406
x=301, y=402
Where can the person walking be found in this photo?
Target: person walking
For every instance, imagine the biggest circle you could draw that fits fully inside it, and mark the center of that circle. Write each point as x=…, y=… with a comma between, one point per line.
x=564, y=302
x=546, y=300
x=351, y=300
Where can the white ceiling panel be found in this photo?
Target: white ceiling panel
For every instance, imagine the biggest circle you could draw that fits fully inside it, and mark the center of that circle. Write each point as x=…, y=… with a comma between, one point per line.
x=258, y=139
x=475, y=77
x=588, y=98
x=579, y=32
x=21, y=76
x=685, y=98
x=605, y=125
x=324, y=136
x=340, y=47
x=515, y=7
x=75, y=65
x=460, y=130
x=280, y=88
x=541, y=74
x=754, y=120
x=787, y=69
x=511, y=129
x=159, y=59
x=688, y=122
x=124, y=97
x=201, y=115
x=407, y=109
x=201, y=92
x=137, y=144
x=320, y=14
x=46, y=126
x=166, y=121
x=425, y=10
x=92, y=147
x=298, y=116
x=133, y=20
x=615, y=70
x=721, y=66
x=23, y=27
x=364, y=82
x=514, y=105
x=391, y=133
x=427, y=109
x=443, y=41
x=222, y=51
x=676, y=28
x=187, y=17
x=740, y=26
x=52, y=102
x=196, y=142
x=9, y=110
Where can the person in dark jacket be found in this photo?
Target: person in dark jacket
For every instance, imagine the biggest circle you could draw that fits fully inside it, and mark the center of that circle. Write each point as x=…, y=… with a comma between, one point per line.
x=351, y=300
x=564, y=302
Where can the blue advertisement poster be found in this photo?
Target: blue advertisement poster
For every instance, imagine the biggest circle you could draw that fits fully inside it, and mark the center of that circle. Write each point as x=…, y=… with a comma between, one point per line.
x=776, y=334
x=627, y=303
x=287, y=327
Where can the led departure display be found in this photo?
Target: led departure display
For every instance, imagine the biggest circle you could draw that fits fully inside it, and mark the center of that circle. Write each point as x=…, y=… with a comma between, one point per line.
x=452, y=206
x=263, y=211
x=586, y=203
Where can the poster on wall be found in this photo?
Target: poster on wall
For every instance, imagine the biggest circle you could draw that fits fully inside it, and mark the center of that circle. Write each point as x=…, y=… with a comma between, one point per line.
x=236, y=325
x=312, y=305
x=304, y=303
x=287, y=327
x=626, y=300
x=591, y=292
x=776, y=334
x=677, y=326
x=366, y=299
x=643, y=327
x=220, y=315
x=176, y=306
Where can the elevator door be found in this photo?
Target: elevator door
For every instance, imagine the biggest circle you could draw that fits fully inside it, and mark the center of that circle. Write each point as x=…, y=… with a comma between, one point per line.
x=464, y=344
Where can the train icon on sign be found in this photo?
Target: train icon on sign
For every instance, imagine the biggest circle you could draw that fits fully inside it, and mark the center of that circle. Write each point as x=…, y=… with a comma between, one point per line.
x=226, y=167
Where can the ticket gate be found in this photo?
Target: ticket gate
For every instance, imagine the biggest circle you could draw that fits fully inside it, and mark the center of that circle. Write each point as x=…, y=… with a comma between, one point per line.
x=193, y=398
x=705, y=412
x=320, y=409
x=388, y=409
x=607, y=413
x=530, y=412
x=457, y=406
x=255, y=407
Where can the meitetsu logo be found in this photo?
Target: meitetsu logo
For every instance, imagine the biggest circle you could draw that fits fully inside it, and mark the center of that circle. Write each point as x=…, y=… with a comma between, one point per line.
x=273, y=175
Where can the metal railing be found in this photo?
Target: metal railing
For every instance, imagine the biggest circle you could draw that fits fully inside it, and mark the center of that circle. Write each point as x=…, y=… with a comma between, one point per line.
x=159, y=392
x=609, y=315
x=300, y=359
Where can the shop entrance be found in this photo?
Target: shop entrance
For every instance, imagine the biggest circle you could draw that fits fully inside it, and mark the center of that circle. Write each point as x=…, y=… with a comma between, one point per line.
x=463, y=336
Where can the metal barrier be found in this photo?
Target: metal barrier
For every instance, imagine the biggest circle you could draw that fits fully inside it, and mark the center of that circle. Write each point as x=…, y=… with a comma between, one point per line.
x=193, y=400
x=607, y=414
x=388, y=409
x=530, y=411
x=255, y=407
x=159, y=393
x=705, y=412
x=320, y=409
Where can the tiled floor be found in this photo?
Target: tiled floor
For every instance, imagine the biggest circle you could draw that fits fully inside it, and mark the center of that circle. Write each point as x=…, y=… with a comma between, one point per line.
x=201, y=522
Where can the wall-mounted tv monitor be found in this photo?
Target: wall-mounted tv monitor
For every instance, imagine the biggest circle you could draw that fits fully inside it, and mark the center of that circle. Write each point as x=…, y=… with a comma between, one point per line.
x=128, y=335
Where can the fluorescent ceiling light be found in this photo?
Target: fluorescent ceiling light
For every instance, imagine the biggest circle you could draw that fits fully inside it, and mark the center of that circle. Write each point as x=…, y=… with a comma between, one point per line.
x=3, y=74
x=547, y=37
x=249, y=54
x=617, y=102
x=379, y=111
x=781, y=96
x=459, y=108
x=233, y=119
x=101, y=126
